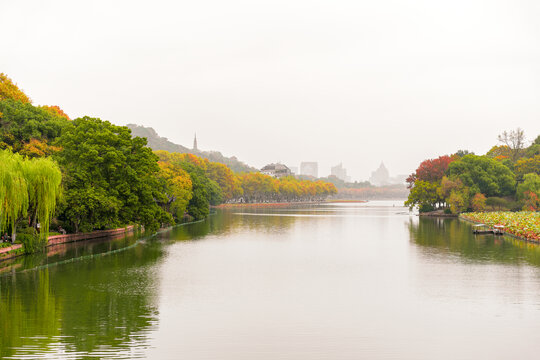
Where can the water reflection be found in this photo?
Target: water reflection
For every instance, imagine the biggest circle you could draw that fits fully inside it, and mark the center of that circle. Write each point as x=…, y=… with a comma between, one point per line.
x=332, y=281
x=442, y=236
x=86, y=307
x=61, y=252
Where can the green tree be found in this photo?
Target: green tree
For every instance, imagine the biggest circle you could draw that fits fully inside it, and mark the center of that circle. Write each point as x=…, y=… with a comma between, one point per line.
x=110, y=177
x=531, y=183
x=483, y=175
x=424, y=195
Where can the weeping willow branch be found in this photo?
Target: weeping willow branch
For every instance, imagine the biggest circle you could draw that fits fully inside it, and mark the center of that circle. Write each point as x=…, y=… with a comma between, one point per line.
x=27, y=184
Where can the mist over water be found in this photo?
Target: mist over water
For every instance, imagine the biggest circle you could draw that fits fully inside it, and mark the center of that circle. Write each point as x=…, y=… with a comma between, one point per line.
x=332, y=281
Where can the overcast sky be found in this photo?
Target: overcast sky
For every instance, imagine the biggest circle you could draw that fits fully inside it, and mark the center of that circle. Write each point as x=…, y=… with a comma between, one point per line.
x=357, y=82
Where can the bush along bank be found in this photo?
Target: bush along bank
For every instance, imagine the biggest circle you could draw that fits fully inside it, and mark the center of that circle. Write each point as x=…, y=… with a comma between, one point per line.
x=523, y=224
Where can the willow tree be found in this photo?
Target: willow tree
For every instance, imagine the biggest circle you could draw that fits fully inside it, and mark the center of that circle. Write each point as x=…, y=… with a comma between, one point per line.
x=43, y=183
x=13, y=191
x=28, y=187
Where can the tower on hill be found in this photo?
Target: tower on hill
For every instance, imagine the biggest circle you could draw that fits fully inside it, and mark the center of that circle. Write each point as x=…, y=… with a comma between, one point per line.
x=195, y=142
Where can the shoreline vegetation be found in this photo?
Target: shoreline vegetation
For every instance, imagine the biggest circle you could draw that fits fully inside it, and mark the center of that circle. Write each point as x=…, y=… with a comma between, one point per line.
x=501, y=187
x=523, y=224
x=86, y=174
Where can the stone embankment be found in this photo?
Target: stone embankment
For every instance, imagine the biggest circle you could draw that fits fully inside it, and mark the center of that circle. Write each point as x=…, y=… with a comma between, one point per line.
x=10, y=252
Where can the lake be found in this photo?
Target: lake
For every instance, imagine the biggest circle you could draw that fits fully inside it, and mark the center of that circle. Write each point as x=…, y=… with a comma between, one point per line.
x=328, y=281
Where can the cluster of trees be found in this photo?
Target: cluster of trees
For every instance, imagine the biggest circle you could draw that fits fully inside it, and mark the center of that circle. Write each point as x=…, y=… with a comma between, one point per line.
x=89, y=174
x=257, y=187
x=507, y=177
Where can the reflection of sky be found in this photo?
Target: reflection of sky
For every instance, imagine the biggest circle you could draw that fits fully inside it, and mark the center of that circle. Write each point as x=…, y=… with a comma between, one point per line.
x=366, y=282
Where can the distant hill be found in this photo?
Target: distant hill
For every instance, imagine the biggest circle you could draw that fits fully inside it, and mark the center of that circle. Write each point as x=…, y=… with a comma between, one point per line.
x=156, y=142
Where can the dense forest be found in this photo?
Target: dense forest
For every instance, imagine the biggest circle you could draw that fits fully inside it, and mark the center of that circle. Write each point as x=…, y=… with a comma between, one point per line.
x=88, y=174
x=507, y=177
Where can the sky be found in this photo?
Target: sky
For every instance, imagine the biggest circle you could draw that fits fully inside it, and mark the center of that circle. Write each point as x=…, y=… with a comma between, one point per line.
x=357, y=82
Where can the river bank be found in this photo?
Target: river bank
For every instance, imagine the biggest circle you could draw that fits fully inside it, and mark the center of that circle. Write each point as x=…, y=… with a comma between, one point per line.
x=524, y=225
x=282, y=204
x=17, y=249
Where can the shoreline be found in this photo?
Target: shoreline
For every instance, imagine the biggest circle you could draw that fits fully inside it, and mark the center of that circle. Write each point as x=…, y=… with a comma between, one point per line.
x=282, y=204
x=67, y=238
x=505, y=233
x=108, y=233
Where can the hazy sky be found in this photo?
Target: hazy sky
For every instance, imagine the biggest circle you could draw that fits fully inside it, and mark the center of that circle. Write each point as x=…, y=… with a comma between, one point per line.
x=329, y=81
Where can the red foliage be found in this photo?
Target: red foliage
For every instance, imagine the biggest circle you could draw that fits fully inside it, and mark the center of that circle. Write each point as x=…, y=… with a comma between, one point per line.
x=431, y=170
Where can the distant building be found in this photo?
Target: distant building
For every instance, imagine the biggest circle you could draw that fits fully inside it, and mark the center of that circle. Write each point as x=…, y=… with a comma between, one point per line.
x=276, y=170
x=340, y=172
x=294, y=169
x=195, y=142
x=309, y=168
x=380, y=176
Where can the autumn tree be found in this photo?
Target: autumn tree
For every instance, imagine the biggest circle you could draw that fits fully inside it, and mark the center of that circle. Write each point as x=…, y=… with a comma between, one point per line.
x=22, y=122
x=431, y=170
x=177, y=187
x=226, y=179
x=499, y=152
x=55, y=110
x=478, y=202
x=527, y=165
x=205, y=191
x=9, y=90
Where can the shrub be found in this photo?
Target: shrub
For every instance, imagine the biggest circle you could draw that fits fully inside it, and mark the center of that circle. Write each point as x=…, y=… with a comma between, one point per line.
x=426, y=208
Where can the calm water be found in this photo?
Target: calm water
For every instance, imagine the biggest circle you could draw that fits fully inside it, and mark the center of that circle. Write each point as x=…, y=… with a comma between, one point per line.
x=336, y=281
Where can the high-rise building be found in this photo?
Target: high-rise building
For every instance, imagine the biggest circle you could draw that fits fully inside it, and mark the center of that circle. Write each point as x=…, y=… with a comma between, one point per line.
x=294, y=169
x=195, y=142
x=309, y=168
x=340, y=172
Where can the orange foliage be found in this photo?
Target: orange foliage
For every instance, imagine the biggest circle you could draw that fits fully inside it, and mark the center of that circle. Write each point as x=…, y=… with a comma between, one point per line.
x=9, y=90
x=38, y=148
x=55, y=110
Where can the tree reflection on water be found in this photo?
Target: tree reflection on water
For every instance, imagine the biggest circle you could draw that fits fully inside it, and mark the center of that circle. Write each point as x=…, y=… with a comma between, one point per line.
x=105, y=306
x=453, y=235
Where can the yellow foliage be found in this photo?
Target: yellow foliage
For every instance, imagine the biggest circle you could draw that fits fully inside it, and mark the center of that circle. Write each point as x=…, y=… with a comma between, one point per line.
x=9, y=90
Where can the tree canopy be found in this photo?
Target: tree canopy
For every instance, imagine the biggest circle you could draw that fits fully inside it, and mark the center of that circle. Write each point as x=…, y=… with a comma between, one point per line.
x=483, y=175
x=110, y=177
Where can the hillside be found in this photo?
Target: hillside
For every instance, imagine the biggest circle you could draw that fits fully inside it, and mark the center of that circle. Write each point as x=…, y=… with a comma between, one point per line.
x=156, y=142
